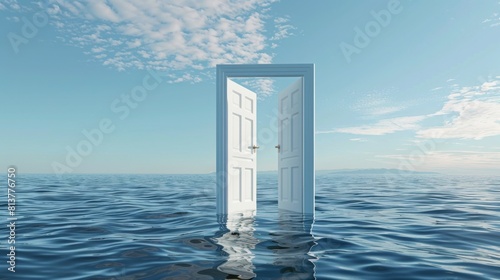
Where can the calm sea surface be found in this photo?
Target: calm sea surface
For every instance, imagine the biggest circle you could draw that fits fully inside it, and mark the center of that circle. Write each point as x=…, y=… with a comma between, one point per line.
x=165, y=227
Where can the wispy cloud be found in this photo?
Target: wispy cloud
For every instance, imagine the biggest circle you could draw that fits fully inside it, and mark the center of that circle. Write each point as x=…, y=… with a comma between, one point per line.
x=283, y=28
x=357, y=140
x=262, y=86
x=10, y=5
x=376, y=104
x=474, y=113
x=176, y=35
x=470, y=113
x=452, y=160
x=382, y=127
x=493, y=20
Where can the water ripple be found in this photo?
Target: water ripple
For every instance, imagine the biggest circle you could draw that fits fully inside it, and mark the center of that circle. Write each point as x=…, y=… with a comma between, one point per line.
x=165, y=227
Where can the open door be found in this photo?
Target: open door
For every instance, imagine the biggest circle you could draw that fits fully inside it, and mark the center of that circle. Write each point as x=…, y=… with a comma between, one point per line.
x=236, y=139
x=290, y=148
x=242, y=149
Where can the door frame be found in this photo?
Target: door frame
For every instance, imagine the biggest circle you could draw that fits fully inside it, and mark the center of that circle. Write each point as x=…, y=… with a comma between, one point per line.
x=304, y=71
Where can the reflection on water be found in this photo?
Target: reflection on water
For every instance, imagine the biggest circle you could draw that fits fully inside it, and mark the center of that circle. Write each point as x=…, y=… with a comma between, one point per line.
x=293, y=243
x=238, y=241
x=287, y=250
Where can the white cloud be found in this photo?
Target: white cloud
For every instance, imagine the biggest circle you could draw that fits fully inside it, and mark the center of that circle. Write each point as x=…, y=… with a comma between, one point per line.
x=470, y=113
x=144, y=54
x=281, y=20
x=176, y=34
x=358, y=140
x=58, y=24
x=14, y=5
x=114, y=42
x=474, y=113
x=53, y=10
x=382, y=127
x=283, y=28
x=14, y=19
x=493, y=20
x=134, y=44
x=102, y=11
x=185, y=77
x=10, y=4
x=449, y=161
x=98, y=49
x=379, y=111
x=262, y=86
x=376, y=104
x=487, y=86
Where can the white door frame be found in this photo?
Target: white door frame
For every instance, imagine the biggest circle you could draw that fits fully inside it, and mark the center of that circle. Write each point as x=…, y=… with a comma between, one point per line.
x=305, y=71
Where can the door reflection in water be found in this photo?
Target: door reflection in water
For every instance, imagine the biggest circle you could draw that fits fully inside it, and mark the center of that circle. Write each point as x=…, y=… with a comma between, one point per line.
x=238, y=241
x=284, y=253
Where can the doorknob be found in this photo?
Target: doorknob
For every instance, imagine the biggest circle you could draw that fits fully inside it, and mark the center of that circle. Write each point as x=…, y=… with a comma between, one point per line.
x=278, y=147
x=254, y=147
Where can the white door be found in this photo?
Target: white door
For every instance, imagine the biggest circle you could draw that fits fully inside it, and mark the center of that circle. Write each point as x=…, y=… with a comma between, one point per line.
x=290, y=159
x=242, y=149
x=235, y=166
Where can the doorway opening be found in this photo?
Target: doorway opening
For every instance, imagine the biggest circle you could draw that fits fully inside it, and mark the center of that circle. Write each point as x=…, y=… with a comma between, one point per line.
x=267, y=91
x=237, y=138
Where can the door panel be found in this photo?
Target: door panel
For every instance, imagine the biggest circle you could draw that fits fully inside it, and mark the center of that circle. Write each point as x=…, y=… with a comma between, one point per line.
x=242, y=158
x=290, y=159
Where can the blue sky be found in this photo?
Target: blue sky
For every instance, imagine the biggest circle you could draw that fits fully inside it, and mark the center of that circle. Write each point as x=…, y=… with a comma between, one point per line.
x=399, y=84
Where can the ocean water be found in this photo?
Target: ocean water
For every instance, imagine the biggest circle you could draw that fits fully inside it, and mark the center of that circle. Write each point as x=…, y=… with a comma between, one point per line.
x=165, y=227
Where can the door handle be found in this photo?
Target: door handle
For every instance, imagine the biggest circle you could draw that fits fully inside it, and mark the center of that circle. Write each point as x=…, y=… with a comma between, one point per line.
x=278, y=147
x=254, y=148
